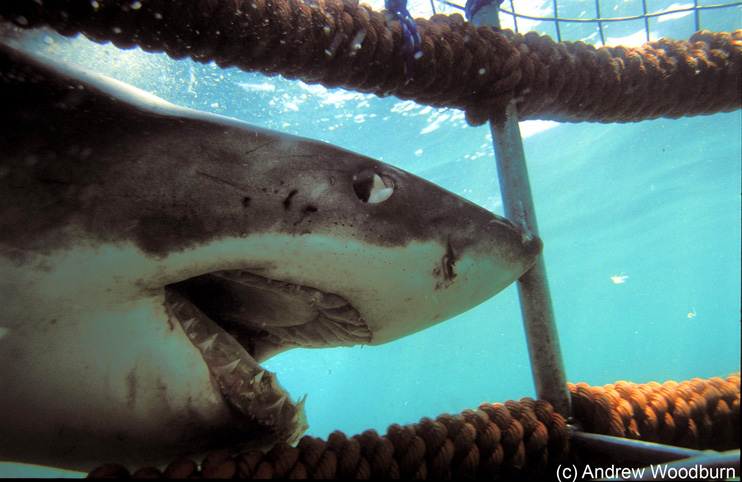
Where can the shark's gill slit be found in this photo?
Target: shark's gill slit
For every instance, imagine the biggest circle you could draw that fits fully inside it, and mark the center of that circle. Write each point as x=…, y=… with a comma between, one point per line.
x=372, y=188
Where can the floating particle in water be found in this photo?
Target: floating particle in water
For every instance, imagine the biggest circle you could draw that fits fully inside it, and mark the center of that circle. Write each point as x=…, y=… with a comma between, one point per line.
x=619, y=279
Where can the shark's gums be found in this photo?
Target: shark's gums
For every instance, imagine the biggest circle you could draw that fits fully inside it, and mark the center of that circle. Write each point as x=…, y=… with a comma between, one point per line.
x=151, y=257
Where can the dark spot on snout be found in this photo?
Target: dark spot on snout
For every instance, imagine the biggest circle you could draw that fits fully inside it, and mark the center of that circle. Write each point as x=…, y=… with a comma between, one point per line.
x=287, y=201
x=306, y=216
x=246, y=201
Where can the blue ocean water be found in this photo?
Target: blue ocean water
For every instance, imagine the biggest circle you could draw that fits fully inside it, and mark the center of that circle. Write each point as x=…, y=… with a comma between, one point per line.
x=654, y=204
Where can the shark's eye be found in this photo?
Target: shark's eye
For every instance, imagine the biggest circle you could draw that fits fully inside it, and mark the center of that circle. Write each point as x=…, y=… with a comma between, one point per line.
x=370, y=187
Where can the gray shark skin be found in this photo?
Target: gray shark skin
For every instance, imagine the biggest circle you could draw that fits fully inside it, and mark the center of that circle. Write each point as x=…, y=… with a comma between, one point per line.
x=152, y=256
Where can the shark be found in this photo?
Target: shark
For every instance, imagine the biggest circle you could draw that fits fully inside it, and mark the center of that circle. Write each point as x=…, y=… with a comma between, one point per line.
x=152, y=257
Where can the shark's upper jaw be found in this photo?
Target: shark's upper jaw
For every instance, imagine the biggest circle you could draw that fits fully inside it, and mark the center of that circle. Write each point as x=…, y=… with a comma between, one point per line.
x=267, y=316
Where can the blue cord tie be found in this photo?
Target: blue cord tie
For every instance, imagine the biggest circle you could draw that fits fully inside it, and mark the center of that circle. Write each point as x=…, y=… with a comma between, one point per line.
x=411, y=42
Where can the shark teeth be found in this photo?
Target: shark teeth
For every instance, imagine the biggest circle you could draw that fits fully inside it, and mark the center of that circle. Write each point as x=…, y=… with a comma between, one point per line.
x=275, y=407
x=229, y=368
x=208, y=343
x=188, y=324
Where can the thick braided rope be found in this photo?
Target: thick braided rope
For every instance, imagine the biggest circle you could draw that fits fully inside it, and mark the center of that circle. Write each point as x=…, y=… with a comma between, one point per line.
x=523, y=439
x=515, y=439
x=697, y=414
x=339, y=43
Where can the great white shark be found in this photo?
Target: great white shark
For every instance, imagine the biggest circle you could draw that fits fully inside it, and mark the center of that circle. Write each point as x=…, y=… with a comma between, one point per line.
x=151, y=257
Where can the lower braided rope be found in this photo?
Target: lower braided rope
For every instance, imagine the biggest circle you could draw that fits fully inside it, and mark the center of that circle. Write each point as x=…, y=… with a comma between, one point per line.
x=523, y=439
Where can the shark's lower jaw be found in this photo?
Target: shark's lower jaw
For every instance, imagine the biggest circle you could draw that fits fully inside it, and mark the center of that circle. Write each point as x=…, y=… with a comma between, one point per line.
x=253, y=393
x=231, y=336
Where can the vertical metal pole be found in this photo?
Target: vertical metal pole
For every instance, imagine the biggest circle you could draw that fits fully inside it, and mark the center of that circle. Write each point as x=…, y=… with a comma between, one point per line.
x=533, y=289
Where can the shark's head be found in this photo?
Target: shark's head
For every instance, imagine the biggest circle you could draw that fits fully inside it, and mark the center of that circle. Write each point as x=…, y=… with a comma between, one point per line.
x=151, y=257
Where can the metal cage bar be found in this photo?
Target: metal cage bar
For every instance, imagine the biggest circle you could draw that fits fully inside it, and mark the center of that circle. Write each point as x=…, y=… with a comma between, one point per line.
x=600, y=23
x=696, y=9
x=646, y=19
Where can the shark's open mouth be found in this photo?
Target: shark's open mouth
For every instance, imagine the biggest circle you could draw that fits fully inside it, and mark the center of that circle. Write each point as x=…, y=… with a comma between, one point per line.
x=237, y=319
